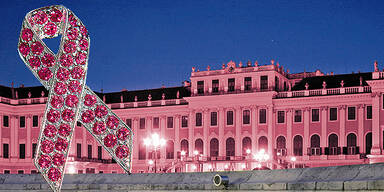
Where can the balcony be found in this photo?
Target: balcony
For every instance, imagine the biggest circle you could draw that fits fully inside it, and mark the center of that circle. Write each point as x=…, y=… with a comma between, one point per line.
x=320, y=92
x=235, y=91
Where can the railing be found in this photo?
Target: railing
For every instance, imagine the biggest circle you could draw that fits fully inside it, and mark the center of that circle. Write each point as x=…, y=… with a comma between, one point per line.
x=318, y=92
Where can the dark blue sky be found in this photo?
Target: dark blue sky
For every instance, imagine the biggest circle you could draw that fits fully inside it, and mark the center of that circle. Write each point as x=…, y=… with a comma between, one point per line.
x=144, y=44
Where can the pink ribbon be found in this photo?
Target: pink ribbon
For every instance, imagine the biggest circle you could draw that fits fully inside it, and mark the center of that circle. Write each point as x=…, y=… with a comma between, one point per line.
x=69, y=100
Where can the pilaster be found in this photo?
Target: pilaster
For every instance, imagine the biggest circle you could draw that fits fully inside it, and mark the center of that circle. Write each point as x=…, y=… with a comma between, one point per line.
x=376, y=150
x=289, y=145
x=342, y=116
x=238, y=151
x=221, y=132
x=254, y=114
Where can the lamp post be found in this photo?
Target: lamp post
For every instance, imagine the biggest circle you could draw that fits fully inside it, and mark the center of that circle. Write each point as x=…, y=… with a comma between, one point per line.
x=156, y=142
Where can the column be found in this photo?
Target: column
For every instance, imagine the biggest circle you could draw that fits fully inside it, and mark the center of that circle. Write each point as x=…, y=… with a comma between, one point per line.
x=149, y=131
x=289, y=145
x=191, y=133
x=221, y=132
x=324, y=120
x=271, y=125
x=360, y=132
x=177, y=134
x=162, y=135
x=306, y=131
x=135, y=124
x=205, y=132
x=342, y=109
x=254, y=114
x=28, y=145
x=238, y=151
x=376, y=123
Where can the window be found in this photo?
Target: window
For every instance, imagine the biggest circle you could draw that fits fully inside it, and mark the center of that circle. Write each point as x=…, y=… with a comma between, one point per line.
x=277, y=84
x=89, y=151
x=156, y=122
x=142, y=123
x=78, y=124
x=264, y=82
x=99, y=153
x=199, y=146
x=78, y=150
x=315, y=115
x=199, y=119
x=129, y=122
x=351, y=113
x=280, y=116
x=215, y=86
x=247, y=83
x=231, y=84
x=33, y=171
x=230, y=147
x=34, y=146
x=229, y=117
x=35, y=121
x=184, y=146
x=184, y=121
x=298, y=145
x=20, y=171
x=246, y=117
x=297, y=115
x=5, y=121
x=213, y=118
x=247, y=145
x=6, y=150
x=170, y=154
x=369, y=112
x=169, y=122
x=142, y=151
x=22, y=121
x=262, y=116
x=333, y=114
x=7, y=172
x=22, y=151
x=214, y=147
x=200, y=87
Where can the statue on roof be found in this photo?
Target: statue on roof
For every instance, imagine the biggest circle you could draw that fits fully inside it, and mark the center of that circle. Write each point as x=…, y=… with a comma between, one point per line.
x=149, y=97
x=29, y=94
x=342, y=83
x=376, y=66
x=306, y=86
x=256, y=63
x=42, y=94
x=361, y=81
x=324, y=85
x=178, y=94
x=193, y=69
x=135, y=98
x=163, y=96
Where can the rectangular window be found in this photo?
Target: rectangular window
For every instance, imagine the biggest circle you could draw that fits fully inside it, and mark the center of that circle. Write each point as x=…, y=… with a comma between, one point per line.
x=315, y=115
x=35, y=121
x=369, y=112
x=33, y=171
x=199, y=119
x=99, y=153
x=247, y=83
x=7, y=171
x=229, y=117
x=156, y=122
x=277, y=84
x=215, y=86
x=22, y=121
x=262, y=116
x=5, y=120
x=200, y=87
x=34, y=146
x=231, y=84
x=78, y=124
x=129, y=122
x=6, y=150
x=264, y=82
x=20, y=172
x=332, y=114
x=280, y=116
x=184, y=121
x=78, y=150
x=89, y=151
x=297, y=115
x=142, y=123
x=213, y=118
x=351, y=113
x=22, y=151
x=169, y=122
x=246, y=117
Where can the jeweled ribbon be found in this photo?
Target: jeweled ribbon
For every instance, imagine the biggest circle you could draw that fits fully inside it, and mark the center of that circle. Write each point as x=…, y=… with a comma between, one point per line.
x=69, y=100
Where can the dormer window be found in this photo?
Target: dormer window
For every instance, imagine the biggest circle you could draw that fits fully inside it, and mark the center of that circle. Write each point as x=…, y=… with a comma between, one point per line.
x=247, y=83
x=200, y=87
x=215, y=86
x=231, y=85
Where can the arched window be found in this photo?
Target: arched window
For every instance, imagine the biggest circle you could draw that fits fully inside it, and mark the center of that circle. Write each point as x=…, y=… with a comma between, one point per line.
x=199, y=145
x=263, y=143
x=230, y=147
x=368, y=143
x=298, y=145
x=351, y=140
x=142, y=151
x=184, y=146
x=170, y=150
x=333, y=144
x=315, y=141
x=280, y=142
x=214, y=147
x=247, y=144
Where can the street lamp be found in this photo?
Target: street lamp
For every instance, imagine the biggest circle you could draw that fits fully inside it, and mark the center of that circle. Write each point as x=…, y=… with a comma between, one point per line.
x=156, y=142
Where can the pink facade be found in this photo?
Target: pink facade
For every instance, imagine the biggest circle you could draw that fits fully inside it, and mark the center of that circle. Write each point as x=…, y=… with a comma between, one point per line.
x=221, y=120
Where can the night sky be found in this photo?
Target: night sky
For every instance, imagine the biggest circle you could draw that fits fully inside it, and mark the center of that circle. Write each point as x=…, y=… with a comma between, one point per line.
x=147, y=44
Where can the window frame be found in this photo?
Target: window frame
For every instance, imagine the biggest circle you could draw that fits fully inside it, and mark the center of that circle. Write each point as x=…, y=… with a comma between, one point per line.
x=6, y=121
x=200, y=120
x=230, y=85
x=294, y=116
x=350, y=107
x=226, y=118
x=169, y=124
x=182, y=121
x=200, y=90
x=249, y=117
x=259, y=118
x=215, y=89
x=277, y=118
x=22, y=122
x=366, y=112
x=211, y=116
x=318, y=115
x=33, y=121
x=337, y=114
x=142, y=123
x=247, y=83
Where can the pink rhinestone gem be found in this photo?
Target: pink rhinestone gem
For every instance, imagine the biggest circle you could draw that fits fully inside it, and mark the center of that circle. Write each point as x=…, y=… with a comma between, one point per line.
x=77, y=72
x=74, y=86
x=40, y=17
x=60, y=88
x=54, y=174
x=122, y=151
x=56, y=15
x=72, y=20
x=53, y=116
x=80, y=58
x=84, y=31
x=70, y=47
x=58, y=159
x=24, y=49
x=89, y=100
x=99, y=128
x=72, y=33
x=66, y=60
x=64, y=130
x=62, y=74
x=37, y=48
x=68, y=115
x=71, y=100
x=34, y=62
x=50, y=29
x=27, y=34
x=48, y=60
x=57, y=101
x=88, y=116
x=44, y=161
x=110, y=140
x=101, y=111
x=122, y=134
x=83, y=44
x=61, y=144
x=47, y=146
x=112, y=122
x=45, y=74
x=50, y=131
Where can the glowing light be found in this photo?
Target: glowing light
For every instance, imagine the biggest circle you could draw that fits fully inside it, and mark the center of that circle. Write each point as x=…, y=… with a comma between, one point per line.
x=182, y=153
x=209, y=166
x=71, y=169
x=261, y=156
x=278, y=153
x=150, y=162
x=258, y=165
x=195, y=152
x=194, y=167
x=248, y=151
x=155, y=141
x=293, y=159
x=243, y=166
x=226, y=166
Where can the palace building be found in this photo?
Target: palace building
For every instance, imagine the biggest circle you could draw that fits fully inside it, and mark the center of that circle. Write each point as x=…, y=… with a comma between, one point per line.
x=239, y=117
